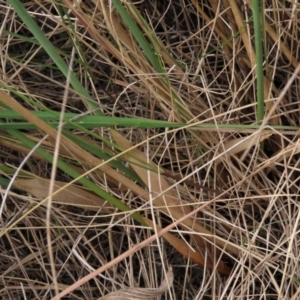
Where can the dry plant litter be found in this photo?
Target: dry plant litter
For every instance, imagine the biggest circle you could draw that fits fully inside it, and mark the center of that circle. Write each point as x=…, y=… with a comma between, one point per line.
x=149, y=149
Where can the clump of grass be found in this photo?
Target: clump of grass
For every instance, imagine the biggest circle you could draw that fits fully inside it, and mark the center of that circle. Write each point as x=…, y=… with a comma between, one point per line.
x=131, y=143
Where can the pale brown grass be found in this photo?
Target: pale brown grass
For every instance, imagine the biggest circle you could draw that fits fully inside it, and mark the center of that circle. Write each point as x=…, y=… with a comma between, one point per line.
x=258, y=211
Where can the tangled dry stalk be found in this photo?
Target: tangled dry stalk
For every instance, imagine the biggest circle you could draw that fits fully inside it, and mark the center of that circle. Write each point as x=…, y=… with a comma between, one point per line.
x=241, y=183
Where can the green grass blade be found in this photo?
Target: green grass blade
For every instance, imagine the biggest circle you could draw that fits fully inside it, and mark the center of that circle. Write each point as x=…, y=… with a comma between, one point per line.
x=259, y=59
x=91, y=122
x=50, y=49
x=74, y=174
x=138, y=35
x=99, y=152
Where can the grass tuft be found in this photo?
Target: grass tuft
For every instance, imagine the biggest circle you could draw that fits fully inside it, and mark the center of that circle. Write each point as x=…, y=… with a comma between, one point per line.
x=131, y=156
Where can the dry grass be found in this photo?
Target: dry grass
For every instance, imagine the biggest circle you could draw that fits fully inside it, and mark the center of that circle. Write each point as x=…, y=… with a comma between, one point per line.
x=250, y=192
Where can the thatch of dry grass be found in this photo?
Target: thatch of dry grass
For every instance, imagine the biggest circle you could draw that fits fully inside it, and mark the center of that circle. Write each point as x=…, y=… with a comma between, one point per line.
x=225, y=193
